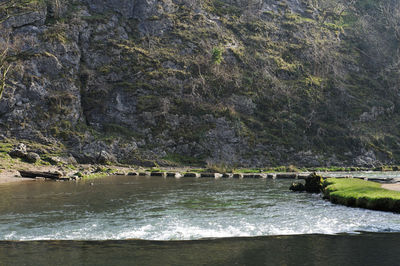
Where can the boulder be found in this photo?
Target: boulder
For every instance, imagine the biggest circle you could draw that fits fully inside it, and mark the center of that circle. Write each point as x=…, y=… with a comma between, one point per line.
x=239, y=175
x=133, y=173
x=286, y=176
x=32, y=157
x=297, y=187
x=196, y=175
x=19, y=151
x=105, y=157
x=314, y=183
x=55, y=160
x=176, y=175
x=162, y=174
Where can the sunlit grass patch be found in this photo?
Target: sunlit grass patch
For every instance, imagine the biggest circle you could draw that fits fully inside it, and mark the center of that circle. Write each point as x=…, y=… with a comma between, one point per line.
x=363, y=194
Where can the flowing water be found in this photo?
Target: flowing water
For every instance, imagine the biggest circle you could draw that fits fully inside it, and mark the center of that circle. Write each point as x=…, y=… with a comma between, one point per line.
x=119, y=208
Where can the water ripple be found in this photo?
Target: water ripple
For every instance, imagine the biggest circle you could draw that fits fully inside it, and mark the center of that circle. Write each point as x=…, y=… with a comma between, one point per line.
x=168, y=209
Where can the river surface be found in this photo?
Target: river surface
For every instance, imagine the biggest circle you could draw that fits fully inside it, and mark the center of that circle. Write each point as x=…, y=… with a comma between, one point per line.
x=154, y=208
x=242, y=216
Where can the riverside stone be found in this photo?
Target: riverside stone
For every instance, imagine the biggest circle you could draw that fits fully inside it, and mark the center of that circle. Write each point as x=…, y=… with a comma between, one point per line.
x=32, y=157
x=217, y=175
x=286, y=176
x=144, y=174
x=238, y=175
x=302, y=176
x=162, y=174
x=314, y=183
x=298, y=187
x=255, y=176
x=176, y=175
x=196, y=175
x=211, y=175
x=105, y=157
x=19, y=151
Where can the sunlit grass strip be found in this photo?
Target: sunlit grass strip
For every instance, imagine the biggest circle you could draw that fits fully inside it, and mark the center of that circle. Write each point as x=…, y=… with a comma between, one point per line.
x=363, y=194
x=95, y=175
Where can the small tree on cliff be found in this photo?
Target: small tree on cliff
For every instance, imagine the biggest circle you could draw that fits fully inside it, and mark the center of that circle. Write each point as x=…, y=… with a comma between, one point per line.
x=7, y=60
x=216, y=56
x=4, y=69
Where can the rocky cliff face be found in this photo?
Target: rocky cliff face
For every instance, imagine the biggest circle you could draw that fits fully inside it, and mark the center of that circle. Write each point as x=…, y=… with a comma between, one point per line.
x=248, y=83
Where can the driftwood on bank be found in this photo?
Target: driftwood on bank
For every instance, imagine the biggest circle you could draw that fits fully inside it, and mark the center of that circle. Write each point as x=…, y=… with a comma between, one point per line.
x=34, y=174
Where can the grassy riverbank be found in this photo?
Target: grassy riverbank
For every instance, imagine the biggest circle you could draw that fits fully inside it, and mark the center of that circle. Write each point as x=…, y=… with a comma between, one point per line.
x=362, y=194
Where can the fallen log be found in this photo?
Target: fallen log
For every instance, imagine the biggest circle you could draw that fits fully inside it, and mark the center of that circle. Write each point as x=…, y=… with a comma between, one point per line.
x=34, y=174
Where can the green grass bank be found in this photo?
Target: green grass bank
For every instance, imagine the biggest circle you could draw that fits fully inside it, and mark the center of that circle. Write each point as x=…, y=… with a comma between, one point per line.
x=363, y=194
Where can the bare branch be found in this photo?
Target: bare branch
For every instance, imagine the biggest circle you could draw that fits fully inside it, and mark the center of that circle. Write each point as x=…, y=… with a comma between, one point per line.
x=8, y=48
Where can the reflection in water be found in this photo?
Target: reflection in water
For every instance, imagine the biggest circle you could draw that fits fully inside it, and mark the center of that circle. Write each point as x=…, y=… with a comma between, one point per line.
x=169, y=209
x=358, y=249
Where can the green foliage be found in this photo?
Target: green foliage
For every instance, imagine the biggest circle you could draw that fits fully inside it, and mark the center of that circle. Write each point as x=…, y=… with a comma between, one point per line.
x=360, y=193
x=92, y=175
x=5, y=147
x=216, y=56
x=155, y=170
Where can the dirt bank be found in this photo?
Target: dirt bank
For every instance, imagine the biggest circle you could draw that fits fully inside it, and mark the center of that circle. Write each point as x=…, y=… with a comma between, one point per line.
x=10, y=176
x=395, y=187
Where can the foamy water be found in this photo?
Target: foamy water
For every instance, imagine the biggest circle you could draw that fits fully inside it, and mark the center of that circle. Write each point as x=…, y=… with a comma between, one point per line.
x=168, y=209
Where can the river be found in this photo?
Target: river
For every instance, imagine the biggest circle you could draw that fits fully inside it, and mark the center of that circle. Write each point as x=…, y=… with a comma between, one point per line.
x=140, y=216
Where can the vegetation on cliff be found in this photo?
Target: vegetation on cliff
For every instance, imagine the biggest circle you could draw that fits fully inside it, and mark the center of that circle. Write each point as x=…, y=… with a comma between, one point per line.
x=250, y=83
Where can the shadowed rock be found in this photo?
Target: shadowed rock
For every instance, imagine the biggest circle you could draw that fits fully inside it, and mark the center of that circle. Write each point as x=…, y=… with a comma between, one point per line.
x=19, y=151
x=286, y=176
x=197, y=175
x=238, y=175
x=32, y=157
x=297, y=187
x=314, y=183
x=176, y=175
x=158, y=174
